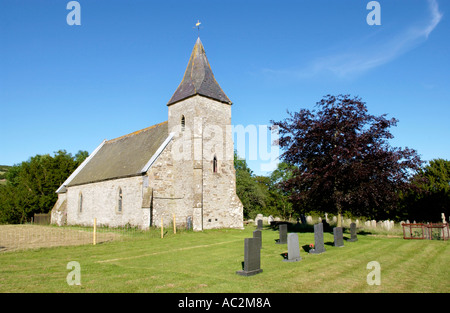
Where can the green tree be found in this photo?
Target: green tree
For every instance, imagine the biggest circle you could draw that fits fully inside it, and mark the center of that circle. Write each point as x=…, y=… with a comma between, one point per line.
x=262, y=194
x=280, y=196
x=431, y=195
x=248, y=190
x=31, y=185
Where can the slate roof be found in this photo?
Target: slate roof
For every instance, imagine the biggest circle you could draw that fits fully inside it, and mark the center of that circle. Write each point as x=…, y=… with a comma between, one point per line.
x=199, y=79
x=122, y=157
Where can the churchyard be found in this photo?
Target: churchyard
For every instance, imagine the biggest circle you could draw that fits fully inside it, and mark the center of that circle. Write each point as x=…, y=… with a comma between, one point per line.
x=209, y=262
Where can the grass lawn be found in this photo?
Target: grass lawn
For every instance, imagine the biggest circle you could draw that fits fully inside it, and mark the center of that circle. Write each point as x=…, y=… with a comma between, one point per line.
x=207, y=261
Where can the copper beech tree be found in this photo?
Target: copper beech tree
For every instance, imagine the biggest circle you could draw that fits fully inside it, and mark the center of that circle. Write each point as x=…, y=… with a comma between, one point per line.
x=343, y=160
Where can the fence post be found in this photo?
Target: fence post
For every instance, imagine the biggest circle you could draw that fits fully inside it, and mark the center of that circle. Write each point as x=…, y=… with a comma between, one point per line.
x=95, y=230
x=174, y=224
x=162, y=228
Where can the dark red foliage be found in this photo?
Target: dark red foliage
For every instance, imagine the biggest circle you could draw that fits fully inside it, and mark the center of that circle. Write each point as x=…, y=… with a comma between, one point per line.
x=343, y=158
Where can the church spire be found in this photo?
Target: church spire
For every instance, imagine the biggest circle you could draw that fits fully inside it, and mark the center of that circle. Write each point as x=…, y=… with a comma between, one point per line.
x=199, y=79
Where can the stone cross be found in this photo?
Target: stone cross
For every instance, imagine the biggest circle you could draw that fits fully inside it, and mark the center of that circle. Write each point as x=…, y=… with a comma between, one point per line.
x=293, y=248
x=353, y=236
x=252, y=258
x=257, y=235
x=338, y=237
x=283, y=234
x=319, y=246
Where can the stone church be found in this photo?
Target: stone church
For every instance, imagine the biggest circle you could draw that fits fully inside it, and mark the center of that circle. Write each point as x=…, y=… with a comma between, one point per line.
x=182, y=167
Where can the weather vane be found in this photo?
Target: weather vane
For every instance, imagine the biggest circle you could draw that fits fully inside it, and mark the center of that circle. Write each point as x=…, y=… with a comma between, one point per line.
x=197, y=25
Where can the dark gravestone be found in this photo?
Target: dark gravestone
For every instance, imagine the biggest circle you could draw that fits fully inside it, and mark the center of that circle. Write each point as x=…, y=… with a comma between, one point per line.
x=260, y=225
x=319, y=246
x=257, y=234
x=189, y=223
x=303, y=218
x=293, y=248
x=353, y=236
x=338, y=237
x=282, y=228
x=252, y=258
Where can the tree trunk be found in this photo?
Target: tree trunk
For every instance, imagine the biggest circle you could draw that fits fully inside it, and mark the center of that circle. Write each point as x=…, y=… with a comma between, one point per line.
x=339, y=210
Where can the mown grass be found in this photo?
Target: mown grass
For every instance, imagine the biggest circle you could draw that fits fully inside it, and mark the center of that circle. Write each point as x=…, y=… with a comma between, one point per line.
x=207, y=261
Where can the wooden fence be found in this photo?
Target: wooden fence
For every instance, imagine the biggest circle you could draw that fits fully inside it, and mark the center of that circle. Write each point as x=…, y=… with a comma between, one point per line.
x=42, y=218
x=426, y=231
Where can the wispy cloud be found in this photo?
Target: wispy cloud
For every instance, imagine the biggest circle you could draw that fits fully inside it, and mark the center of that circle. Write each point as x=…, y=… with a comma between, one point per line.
x=358, y=58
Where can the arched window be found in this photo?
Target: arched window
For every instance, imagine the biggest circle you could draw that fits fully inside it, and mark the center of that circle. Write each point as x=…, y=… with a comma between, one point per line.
x=80, y=202
x=215, y=165
x=183, y=123
x=119, y=201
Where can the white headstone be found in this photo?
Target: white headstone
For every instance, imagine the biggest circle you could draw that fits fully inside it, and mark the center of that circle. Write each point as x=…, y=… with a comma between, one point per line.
x=258, y=217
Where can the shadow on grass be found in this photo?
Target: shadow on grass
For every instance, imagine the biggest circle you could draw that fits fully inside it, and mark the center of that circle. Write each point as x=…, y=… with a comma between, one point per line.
x=298, y=227
x=308, y=228
x=306, y=248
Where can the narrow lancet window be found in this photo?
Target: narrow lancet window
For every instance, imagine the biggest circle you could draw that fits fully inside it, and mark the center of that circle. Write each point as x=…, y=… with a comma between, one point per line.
x=80, y=202
x=183, y=123
x=119, y=206
x=215, y=165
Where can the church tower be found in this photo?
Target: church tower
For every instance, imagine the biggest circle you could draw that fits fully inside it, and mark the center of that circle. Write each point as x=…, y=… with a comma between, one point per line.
x=203, y=151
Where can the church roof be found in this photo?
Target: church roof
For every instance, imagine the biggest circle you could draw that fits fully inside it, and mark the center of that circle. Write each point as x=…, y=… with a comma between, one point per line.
x=199, y=79
x=126, y=156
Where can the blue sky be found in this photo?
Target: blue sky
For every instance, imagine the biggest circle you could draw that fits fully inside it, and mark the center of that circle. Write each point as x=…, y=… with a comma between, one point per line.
x=70, y=87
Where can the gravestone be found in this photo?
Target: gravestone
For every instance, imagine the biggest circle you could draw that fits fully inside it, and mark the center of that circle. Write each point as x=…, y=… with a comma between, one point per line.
x=293, y=248
x=260, y=225
x=303, y=218
x=338, y=237
x=319, y=246
x=189, y=223
x=353, y=236
x=258, y=235
x=252, y=258
x=283, y=234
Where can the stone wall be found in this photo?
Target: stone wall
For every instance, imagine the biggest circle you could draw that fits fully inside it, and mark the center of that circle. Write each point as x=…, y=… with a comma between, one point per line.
x=100, y=201
x=168, y=190
x=207, y=134
x=58, y=214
